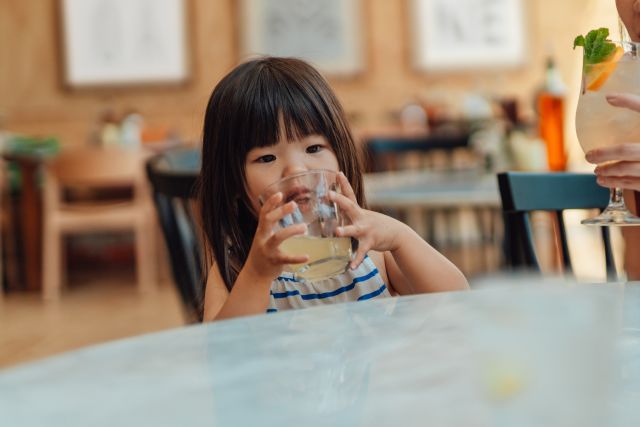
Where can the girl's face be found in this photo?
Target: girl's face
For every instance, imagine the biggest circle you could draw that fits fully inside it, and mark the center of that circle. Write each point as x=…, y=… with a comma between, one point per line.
x=629, y=11
x=266, y=165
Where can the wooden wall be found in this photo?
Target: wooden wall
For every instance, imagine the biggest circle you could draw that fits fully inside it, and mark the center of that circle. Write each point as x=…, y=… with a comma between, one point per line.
x=33, y=100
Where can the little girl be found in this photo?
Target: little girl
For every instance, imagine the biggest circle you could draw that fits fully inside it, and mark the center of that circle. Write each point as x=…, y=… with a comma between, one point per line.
x=267, y=119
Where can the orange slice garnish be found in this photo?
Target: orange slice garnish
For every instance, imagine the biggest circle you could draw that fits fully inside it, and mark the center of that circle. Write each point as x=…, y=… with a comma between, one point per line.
x=598, y=74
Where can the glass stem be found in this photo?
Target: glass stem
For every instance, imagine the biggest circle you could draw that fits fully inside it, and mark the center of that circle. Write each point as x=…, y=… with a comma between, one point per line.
x=616, y=199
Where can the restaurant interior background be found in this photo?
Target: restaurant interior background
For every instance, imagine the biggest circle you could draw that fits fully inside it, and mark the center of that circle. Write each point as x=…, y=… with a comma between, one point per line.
x=101, y=301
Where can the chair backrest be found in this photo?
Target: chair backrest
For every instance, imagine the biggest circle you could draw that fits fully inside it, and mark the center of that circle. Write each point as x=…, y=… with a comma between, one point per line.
x=384, y=154
x=523, y=192
x=173, y=176
x=96, y=166
x=93, y=168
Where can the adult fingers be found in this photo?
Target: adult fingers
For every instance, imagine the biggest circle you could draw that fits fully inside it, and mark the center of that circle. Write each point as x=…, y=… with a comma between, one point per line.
x=628, y=151
x=346, y=188
x=626, y=169
x=624, y=100
x=619, y=182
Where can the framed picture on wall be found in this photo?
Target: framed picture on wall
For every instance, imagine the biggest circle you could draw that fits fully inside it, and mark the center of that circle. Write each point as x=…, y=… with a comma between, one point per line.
x=123, y=42
x=464, y=34
x=326, y=33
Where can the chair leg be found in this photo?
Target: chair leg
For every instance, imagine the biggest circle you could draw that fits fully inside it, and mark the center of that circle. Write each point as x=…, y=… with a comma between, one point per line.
x=51, y=263
x=146, y=255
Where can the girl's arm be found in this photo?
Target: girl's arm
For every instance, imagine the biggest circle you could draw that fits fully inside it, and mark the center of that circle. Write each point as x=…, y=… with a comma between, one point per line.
x=416, y=267
x=249, y=295
x=412, y=265
x=215, y=294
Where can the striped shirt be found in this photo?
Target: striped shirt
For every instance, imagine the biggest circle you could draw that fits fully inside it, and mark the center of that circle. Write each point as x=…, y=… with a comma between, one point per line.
x=360, y=284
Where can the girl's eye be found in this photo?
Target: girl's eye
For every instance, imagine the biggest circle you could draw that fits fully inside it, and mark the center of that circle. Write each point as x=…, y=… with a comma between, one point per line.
x=314, y=148
x=267, y=158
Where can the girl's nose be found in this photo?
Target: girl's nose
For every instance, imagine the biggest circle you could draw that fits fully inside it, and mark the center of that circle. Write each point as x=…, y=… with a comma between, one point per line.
x=636, y=6
x=293, y=169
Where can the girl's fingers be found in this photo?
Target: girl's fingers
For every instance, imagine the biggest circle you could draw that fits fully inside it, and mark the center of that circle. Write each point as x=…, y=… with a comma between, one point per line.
x=360, y=254
x=271, y=203
x=628, y=152
x=632, y=102
x=350, y=207
x=283, y=234
x=278, y=213
x=280, y=236
x=345, y=187
x=353, y=230
x=289, y=259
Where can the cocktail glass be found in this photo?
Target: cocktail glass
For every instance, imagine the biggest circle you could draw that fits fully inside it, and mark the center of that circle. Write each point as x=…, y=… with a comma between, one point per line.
x=599, y=124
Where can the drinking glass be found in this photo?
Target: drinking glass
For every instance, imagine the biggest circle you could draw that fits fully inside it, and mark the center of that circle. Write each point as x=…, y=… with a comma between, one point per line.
x=328, y=254
x=600, y=124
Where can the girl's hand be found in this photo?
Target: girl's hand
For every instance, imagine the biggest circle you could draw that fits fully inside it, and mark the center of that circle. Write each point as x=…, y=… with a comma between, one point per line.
x=372, y=230
x=265, y=259
x=621, y=166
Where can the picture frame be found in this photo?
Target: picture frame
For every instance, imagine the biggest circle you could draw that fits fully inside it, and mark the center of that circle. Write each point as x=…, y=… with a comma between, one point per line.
x=465, y=34
x=328, y=34
x=123, y=42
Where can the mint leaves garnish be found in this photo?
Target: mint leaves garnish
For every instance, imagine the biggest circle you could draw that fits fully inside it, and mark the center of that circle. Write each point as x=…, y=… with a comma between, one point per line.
x=596, y=46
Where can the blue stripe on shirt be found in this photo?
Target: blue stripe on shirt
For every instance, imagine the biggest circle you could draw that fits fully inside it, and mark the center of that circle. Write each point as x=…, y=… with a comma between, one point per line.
x=327, y=294
x=373, y=294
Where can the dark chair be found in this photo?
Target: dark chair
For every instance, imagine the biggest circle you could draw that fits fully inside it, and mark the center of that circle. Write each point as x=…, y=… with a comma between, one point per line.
x=383, y=153
x=522, y=193
x=173, y=177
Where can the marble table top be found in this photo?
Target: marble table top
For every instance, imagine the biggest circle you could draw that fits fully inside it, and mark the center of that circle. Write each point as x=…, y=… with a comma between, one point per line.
x=516, y=355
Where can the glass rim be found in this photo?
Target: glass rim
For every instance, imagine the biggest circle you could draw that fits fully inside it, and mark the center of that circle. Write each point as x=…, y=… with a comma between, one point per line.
x=624, y=42
x=621, y=43
x=627, y=47
x=269, y=189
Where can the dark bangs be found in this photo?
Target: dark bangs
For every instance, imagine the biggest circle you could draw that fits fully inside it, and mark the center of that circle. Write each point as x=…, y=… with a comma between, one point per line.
x=280, y=98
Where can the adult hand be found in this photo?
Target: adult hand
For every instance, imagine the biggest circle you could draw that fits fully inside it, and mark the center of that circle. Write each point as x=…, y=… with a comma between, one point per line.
x=619, y=165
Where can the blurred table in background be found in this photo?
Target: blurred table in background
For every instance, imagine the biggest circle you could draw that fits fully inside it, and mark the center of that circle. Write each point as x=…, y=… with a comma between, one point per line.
x=431, y=202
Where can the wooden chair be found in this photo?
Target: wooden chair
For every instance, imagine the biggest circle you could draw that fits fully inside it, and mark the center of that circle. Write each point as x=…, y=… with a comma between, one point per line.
x=173, y=177
x=522, y=193
x=90, y=169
